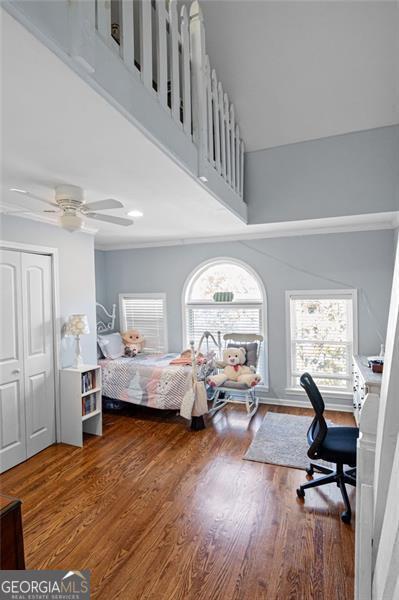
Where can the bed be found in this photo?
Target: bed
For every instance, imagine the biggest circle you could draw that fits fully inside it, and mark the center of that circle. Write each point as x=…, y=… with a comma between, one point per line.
x=150, y=380
x=146, y=379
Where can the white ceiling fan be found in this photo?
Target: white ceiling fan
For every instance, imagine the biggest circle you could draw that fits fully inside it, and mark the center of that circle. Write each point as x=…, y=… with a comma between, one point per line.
x=73, y=210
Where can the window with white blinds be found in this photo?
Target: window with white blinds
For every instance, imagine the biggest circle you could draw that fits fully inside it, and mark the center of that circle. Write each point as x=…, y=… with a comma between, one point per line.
x=147, y=313
x=243, y=314
x=223, y=318
x=322, y=330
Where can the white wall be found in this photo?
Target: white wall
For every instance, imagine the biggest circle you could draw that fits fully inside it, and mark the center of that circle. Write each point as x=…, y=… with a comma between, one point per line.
x=101, y=286
x=76, y=274
x=361, y=260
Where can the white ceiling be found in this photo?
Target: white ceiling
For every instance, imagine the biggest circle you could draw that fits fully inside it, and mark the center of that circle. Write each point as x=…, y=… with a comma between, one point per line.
x=305, y=70
x=56, y=130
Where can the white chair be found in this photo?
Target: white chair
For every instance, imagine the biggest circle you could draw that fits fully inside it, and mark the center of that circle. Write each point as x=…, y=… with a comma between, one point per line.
x=233, y=391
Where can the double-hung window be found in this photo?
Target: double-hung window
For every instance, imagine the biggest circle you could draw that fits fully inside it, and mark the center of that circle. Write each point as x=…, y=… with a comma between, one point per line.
x=322, y=336
x=225, y=295
x=147, y=313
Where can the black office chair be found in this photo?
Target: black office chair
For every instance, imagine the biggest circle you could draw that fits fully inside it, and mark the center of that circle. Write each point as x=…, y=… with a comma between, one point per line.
x=333, y=444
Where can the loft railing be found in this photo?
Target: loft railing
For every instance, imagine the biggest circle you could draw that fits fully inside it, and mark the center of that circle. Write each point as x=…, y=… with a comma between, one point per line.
x=167, y=51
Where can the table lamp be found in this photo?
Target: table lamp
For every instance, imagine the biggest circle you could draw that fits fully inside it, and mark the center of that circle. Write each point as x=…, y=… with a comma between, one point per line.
x=77, y=325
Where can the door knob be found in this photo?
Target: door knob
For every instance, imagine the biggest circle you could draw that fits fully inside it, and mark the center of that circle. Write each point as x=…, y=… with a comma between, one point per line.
x=16, y=371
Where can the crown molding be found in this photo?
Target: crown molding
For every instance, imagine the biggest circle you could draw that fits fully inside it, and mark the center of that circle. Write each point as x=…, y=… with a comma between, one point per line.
x=352, y=224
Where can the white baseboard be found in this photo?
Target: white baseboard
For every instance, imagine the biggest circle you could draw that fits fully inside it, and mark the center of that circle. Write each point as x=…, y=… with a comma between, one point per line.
x=304, y=404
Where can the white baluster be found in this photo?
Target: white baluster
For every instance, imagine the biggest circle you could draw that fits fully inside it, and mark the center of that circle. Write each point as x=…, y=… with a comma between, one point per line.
x=216, y=128
x=104, y=19
x=238, y=166
x=186, y=83
x=233, y=147
x=198, y=83
x=222, y=130
x=174, y=66
x=228, y=143
x=83, y=23
x=242, y=155
x=209, y=110
x=162, y=54
x=146, y=43
x=128, y=33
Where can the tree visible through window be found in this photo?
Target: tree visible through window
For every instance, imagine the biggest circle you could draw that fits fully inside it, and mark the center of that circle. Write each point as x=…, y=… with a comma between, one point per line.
x=322, y=338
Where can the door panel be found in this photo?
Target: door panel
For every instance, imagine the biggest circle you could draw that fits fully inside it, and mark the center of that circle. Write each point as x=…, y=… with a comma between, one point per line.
x=37, y=408
x=35, y=310
x=10, y=410
x=9, y=331
x=12, y=401
x=38, y=352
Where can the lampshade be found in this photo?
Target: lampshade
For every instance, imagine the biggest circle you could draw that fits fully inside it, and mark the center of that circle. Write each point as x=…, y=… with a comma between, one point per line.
x=77, y=325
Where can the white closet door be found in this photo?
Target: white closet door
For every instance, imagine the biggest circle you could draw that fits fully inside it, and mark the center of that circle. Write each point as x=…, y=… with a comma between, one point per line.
x=12, y=401
x=38, y=352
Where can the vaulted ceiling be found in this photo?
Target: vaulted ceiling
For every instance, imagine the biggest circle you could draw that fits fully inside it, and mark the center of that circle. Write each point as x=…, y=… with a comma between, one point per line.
x=305, y=70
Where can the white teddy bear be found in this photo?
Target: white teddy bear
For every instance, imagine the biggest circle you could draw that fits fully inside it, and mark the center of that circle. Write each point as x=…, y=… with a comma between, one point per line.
x=235, y=369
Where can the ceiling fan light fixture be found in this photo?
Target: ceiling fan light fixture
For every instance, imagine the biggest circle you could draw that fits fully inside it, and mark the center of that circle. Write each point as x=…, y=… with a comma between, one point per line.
x=135, y=213
x=71, y=222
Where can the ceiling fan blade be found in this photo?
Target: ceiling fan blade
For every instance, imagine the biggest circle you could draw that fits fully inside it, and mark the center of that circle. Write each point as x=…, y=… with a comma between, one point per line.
x=22, y=193
x=110, y=219
x=5, y=211
x=103, y=204
x=22, y=211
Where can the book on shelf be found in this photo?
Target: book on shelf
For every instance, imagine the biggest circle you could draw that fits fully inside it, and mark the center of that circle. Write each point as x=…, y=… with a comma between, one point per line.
x=88, y=404
x=88, y=381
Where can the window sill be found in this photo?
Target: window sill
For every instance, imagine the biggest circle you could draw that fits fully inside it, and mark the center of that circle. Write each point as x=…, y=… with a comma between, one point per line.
x=326, y=393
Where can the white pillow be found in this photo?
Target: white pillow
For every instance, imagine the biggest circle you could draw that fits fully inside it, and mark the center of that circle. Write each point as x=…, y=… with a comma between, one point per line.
x=111, y=345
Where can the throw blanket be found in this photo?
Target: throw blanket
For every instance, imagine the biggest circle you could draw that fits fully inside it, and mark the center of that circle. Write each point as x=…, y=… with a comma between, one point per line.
x=148, y=380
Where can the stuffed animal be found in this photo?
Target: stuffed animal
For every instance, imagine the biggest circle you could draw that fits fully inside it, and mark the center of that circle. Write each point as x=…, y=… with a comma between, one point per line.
x=235, y=369
x=133, y=341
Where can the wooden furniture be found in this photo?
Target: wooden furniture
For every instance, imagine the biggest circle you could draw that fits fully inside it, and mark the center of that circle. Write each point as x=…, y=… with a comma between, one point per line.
x=12, y=541
x=81, y=409
x=366, y=396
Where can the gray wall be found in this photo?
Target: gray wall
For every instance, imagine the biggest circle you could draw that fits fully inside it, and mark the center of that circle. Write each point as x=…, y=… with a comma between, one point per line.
x=355, y=173
x=76, y=275
x=361, y=260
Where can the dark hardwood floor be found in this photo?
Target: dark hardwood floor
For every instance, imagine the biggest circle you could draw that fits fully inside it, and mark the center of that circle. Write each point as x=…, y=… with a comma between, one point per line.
x=158, y=512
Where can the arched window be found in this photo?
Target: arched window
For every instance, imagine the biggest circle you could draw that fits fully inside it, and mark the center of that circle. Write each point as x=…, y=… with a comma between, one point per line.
x=225, y=295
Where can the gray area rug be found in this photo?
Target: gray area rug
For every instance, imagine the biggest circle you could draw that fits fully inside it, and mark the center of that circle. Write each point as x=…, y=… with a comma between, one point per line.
x=281, y=440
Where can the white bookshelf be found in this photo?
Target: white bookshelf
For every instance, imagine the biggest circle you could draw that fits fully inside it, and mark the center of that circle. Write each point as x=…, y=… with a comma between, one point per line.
x=80, y=403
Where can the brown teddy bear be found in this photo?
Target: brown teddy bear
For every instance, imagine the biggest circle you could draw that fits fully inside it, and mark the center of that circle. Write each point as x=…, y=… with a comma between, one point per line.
x=235, y=369
x=134, y=342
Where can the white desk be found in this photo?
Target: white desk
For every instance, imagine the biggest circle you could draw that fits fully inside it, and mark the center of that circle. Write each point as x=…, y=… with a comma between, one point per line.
x=366, y=400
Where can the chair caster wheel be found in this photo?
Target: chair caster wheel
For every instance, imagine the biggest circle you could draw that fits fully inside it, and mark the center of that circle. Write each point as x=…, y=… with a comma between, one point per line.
x=300, y=493
x=346, y=517
x=310, y=471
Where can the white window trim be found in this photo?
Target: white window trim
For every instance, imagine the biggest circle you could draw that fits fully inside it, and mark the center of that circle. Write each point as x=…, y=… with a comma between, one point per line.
x=157, y=295
x=196, y=272
x=304, y=295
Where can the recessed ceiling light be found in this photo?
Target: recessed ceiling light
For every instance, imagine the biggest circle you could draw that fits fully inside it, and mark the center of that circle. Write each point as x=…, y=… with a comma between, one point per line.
x=19, y=191
x=135, y=213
